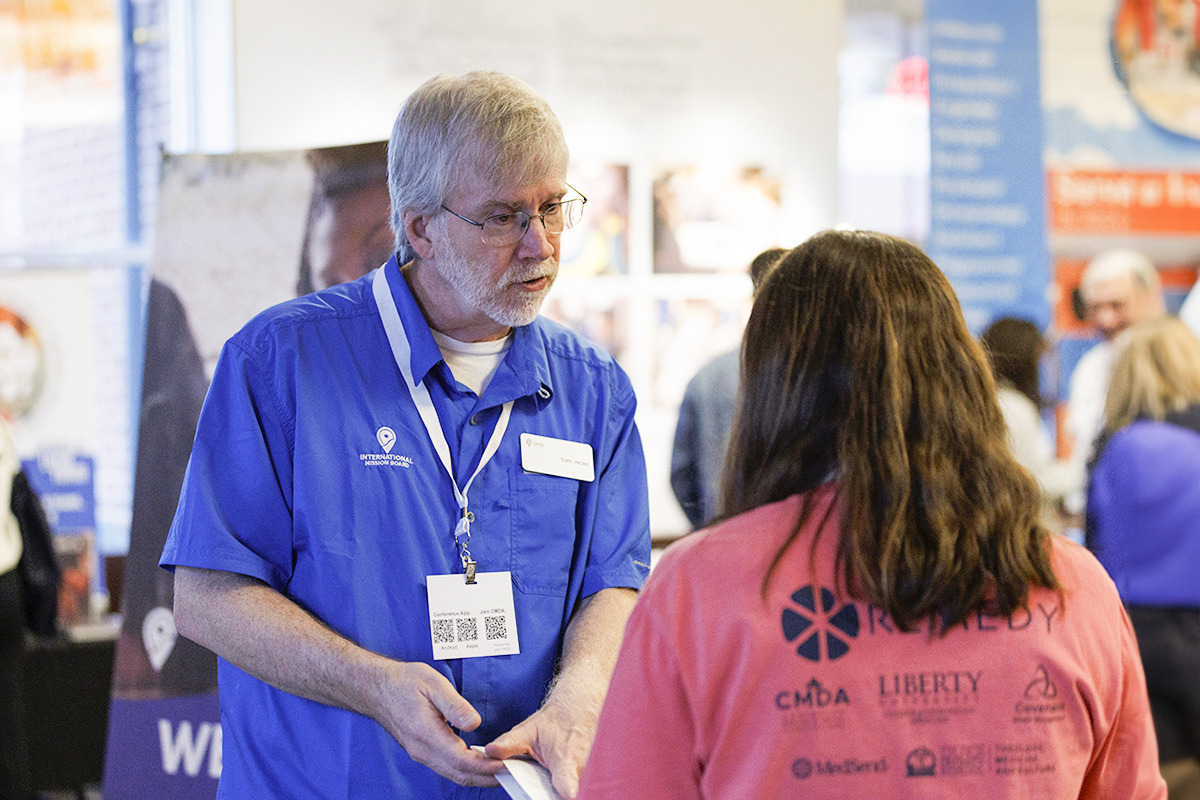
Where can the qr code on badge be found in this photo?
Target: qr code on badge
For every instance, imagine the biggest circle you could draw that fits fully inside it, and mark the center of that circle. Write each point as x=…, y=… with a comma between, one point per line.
x=468, y=629
x=495, y=628
x=443, y=631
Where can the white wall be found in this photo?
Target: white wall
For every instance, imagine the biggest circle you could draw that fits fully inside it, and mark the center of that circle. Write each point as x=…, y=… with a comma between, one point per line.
x=633, y=81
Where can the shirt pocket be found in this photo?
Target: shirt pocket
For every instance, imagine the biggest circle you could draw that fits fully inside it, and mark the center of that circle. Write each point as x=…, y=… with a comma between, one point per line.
x=543, y=532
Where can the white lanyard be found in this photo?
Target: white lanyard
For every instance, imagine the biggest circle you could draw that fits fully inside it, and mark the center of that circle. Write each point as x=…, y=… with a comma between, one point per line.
x=402, y=352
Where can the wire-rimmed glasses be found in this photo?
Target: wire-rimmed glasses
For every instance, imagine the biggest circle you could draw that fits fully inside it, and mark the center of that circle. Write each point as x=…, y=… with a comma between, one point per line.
x=509, y=227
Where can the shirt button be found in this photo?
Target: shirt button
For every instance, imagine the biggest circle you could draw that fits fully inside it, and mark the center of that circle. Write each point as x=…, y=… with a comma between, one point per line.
x=475, y=420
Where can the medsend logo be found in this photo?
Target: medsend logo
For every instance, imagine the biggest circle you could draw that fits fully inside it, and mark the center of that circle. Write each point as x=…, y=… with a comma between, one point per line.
x=387, y=440
x=803, y=768
x=808, y=621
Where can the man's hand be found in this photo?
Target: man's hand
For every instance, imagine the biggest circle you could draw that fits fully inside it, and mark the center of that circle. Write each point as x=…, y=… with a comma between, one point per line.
x=419, y=708
x=264, y=633
x=560, y=733
x=559, y=737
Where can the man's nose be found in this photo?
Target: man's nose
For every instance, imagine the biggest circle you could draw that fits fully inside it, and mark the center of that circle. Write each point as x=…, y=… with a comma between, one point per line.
x=537, y=243
x=1107, y=320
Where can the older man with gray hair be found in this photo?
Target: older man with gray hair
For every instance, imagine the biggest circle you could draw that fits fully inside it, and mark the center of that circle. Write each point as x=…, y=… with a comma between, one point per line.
x=415, y=516
x=1120, y=287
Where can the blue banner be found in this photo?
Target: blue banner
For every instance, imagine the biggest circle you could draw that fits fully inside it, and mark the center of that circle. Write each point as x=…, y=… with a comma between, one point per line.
x=163, y=748
x=987, y=223
x=64, y=482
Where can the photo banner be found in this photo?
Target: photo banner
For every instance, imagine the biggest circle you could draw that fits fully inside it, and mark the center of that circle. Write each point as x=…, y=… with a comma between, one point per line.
x=1122, y=149
x=987, y=222
x=235, y=234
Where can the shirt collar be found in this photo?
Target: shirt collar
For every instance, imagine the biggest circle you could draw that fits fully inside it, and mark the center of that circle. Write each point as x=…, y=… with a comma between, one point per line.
x=526, y=370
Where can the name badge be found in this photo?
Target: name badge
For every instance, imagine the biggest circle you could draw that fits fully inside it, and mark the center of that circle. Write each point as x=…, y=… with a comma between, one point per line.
x=557, y=457
x=471, y=620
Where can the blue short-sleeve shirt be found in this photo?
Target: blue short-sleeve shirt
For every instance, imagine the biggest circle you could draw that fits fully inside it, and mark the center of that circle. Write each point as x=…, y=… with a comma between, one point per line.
x=291, y=482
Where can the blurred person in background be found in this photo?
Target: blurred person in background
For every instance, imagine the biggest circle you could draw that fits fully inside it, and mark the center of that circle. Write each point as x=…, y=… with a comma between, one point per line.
x=705, y=418
x=879, y=592
x=14, y=760
x=1143, y=524
x=1015, y=348
x=1119, y=288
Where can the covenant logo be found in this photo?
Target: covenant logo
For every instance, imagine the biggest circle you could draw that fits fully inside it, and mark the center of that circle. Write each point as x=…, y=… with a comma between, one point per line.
x=1041, y=702
x=387, y=440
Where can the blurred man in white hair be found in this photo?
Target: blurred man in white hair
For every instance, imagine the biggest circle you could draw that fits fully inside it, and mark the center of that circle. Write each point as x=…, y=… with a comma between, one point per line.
x=1120, y=287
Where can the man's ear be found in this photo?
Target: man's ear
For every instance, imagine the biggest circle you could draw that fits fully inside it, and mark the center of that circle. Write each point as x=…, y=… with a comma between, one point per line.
x=416, y=227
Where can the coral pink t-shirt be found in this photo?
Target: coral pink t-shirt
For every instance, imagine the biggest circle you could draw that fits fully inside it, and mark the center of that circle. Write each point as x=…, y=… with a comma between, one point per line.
x=718, y=694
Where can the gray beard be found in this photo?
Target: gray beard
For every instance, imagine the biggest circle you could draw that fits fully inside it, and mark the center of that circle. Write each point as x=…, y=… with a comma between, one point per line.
x=456, y=271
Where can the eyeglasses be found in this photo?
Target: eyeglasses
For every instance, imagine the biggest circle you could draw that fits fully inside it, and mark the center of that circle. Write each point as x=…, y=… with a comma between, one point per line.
x=509, y=227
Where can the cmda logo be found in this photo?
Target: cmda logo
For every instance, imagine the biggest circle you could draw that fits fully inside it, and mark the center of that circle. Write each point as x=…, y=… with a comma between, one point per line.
x=813, y=615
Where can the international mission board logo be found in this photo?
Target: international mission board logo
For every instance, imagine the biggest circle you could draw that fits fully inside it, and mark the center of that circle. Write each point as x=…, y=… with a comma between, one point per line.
x=813, y=620
x=386, y=438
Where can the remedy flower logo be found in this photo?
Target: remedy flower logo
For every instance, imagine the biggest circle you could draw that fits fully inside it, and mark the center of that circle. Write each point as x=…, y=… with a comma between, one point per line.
x=813, y=619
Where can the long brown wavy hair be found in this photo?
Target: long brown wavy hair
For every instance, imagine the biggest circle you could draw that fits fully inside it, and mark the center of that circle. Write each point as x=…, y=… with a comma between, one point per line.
x=857, y=366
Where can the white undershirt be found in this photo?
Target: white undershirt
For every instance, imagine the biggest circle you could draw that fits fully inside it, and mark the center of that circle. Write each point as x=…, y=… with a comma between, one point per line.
x=472, y=363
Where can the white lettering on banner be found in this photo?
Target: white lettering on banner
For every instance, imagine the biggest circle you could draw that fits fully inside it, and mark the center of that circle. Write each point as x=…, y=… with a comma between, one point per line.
x=183, y=747
x=64, y=466
x=997, y=86
x=966, y=31
x=56, y=504
x=956, y=57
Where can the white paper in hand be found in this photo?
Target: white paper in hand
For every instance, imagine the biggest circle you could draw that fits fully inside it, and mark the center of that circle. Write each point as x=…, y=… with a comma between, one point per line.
x=526, y=779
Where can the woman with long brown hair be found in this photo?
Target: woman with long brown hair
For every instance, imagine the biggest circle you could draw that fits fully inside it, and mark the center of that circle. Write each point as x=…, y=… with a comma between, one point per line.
x=878, y=611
